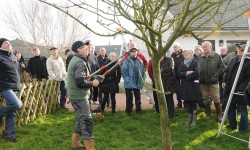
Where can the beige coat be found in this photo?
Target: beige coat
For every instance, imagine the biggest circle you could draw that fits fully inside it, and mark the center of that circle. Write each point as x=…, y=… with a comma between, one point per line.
x=56, y=68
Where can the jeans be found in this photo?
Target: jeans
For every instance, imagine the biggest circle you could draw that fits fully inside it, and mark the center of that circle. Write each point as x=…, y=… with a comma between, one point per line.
x=232, y=116
x=63, y=94
x=9, y=111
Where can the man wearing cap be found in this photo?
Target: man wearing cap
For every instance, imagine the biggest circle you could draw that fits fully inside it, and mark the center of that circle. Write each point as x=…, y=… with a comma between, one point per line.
x=9, y=85
x=78, y=88
x=37, y=65
x=211, y=67
x=132, y=72
x=140, y=55
x=69, y=56
x=57, y=72
x=243, y=80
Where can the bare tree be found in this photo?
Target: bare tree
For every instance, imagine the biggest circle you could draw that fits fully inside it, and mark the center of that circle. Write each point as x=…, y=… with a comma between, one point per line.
x=153, y=18
x=38, y=23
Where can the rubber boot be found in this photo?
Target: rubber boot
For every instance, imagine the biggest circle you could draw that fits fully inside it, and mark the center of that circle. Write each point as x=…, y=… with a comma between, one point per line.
x=194, y=119
x=76, y=141
x=218, y=110
x=189, y=120
x=89, y=144
x=208, y=111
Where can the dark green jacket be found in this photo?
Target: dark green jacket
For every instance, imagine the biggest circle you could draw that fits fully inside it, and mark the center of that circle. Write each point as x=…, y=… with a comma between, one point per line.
x=78, y=88
x=211, y=67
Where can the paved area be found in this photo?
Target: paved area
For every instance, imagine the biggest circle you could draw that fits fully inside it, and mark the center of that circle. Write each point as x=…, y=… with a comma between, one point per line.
x=121, y=103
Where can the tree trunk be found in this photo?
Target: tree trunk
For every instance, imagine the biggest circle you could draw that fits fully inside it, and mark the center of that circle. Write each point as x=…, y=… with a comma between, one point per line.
x=164, y=119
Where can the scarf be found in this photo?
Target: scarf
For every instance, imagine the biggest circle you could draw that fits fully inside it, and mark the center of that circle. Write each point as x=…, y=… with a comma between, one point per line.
x=188, y=61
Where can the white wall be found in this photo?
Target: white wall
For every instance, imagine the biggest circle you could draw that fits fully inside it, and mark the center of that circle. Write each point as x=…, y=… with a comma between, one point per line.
x=190, y=42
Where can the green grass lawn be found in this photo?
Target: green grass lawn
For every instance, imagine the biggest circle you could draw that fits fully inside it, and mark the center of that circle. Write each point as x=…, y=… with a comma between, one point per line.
x=120, y=132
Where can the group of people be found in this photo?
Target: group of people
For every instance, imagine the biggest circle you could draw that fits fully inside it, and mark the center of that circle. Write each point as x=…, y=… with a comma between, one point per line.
x=196, y=76
x=202, y=76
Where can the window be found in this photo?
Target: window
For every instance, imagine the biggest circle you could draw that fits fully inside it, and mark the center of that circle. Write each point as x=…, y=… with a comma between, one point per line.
x=221, y=43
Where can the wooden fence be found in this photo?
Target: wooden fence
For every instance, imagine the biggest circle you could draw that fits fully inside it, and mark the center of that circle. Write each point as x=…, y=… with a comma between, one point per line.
x=39, y=98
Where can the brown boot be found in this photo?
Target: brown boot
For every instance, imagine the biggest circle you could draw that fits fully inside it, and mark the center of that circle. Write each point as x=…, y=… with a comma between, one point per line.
x=218, y=110
x=89, y=144
x=208, y=111
x=76, y=141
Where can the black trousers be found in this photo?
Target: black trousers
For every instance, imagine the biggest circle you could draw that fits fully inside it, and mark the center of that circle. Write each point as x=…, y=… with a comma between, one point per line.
x=169, y=101
x=129, y=100
x=106, y=99
x=170, y=105
x=190, y=106
x=95, y=93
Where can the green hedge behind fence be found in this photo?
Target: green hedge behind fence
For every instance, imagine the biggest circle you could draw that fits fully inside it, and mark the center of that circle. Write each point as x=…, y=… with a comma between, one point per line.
x=39, y=98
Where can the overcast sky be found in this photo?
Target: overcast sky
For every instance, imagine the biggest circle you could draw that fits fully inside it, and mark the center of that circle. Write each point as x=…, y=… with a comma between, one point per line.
x=6, y=32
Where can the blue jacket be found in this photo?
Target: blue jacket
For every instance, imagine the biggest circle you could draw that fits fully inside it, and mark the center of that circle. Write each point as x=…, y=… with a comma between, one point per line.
x=133, y=79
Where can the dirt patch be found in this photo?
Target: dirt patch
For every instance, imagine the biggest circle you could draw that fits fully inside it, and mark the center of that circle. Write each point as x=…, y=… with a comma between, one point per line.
x=120, y=103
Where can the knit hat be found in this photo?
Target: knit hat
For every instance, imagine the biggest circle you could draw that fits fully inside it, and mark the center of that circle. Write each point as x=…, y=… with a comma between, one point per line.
x=3, y=40
x=77, y=45
x=188, y=50
x=112, y=54
x=198, y=47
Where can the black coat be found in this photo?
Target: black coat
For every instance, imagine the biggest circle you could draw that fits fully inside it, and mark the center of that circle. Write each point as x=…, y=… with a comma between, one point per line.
x=190, y=88
x=37, y=67
x=110, y=83
x=168, y=74
x=230, y=73
x=178, y=59
x=102, y=61
x=9, y=77
x=68, y=61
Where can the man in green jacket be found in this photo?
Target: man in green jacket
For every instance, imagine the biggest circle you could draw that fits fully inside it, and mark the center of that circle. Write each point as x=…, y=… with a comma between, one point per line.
x=78, y=88
x=211, y=67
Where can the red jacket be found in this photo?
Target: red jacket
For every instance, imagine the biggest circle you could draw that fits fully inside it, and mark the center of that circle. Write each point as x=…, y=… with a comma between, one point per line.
x=141, y=56
x=150, y=70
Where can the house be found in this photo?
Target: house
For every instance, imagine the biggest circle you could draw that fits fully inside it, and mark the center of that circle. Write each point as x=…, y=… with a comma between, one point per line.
x=229, y=34
x=110, y=48
x=26, y=48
